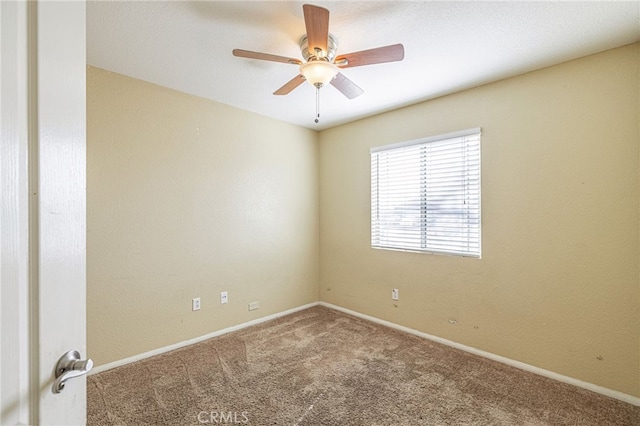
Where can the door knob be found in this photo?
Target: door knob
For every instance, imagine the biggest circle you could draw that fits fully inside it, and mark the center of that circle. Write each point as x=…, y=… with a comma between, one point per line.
x=69, y=366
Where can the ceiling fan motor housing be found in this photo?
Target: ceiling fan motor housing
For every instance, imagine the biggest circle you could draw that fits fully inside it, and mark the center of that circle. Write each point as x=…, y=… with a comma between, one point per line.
x=332, y=47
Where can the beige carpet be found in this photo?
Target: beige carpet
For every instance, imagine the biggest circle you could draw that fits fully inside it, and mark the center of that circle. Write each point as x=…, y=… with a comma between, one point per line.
x=322, y=367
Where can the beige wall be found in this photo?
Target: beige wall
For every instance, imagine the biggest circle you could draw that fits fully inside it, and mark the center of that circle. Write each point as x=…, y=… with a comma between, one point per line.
x=557, y=286
x=188, y=198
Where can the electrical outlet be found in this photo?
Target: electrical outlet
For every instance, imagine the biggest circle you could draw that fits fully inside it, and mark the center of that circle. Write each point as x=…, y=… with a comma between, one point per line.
x=195, y=304
x=224, y=297
x=253, y=306
x=395, y=294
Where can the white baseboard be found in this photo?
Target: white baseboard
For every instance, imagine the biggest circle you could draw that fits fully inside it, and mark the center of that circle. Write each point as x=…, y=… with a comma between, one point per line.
x=521, y=365
x=128, y=360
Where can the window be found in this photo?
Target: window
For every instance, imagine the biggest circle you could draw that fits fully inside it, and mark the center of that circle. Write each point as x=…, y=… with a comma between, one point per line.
x=425, y=195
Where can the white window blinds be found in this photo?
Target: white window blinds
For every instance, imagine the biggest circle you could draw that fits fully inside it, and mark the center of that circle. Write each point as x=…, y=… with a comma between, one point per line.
x=425, y=195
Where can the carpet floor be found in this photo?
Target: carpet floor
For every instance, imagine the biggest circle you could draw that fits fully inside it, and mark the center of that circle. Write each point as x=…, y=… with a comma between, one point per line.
x=323, y=367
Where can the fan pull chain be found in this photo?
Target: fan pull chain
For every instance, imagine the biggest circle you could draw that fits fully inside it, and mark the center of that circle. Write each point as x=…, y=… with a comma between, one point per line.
x=317, y=120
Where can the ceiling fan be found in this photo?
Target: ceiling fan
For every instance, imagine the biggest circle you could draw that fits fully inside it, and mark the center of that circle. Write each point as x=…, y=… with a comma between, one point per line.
x=321, y=65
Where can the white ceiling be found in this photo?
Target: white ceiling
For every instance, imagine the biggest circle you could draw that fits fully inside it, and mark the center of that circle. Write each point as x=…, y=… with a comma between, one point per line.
x=449, y=46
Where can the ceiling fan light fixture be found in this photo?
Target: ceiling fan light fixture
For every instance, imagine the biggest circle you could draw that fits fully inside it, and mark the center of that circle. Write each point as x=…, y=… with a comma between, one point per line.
x=318, y=72
x=320, y=64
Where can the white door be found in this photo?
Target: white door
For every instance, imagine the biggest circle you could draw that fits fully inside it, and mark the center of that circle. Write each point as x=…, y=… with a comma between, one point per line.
x=43, y=185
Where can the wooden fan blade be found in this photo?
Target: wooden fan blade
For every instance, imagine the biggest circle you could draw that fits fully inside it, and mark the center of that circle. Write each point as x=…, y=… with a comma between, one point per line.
x=316, y=21
x=265, y=57
x=346, y=86
x=290, y=85
x=391, y=53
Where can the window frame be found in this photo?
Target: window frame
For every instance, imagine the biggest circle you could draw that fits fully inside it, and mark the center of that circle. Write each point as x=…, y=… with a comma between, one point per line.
x=426, y=242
